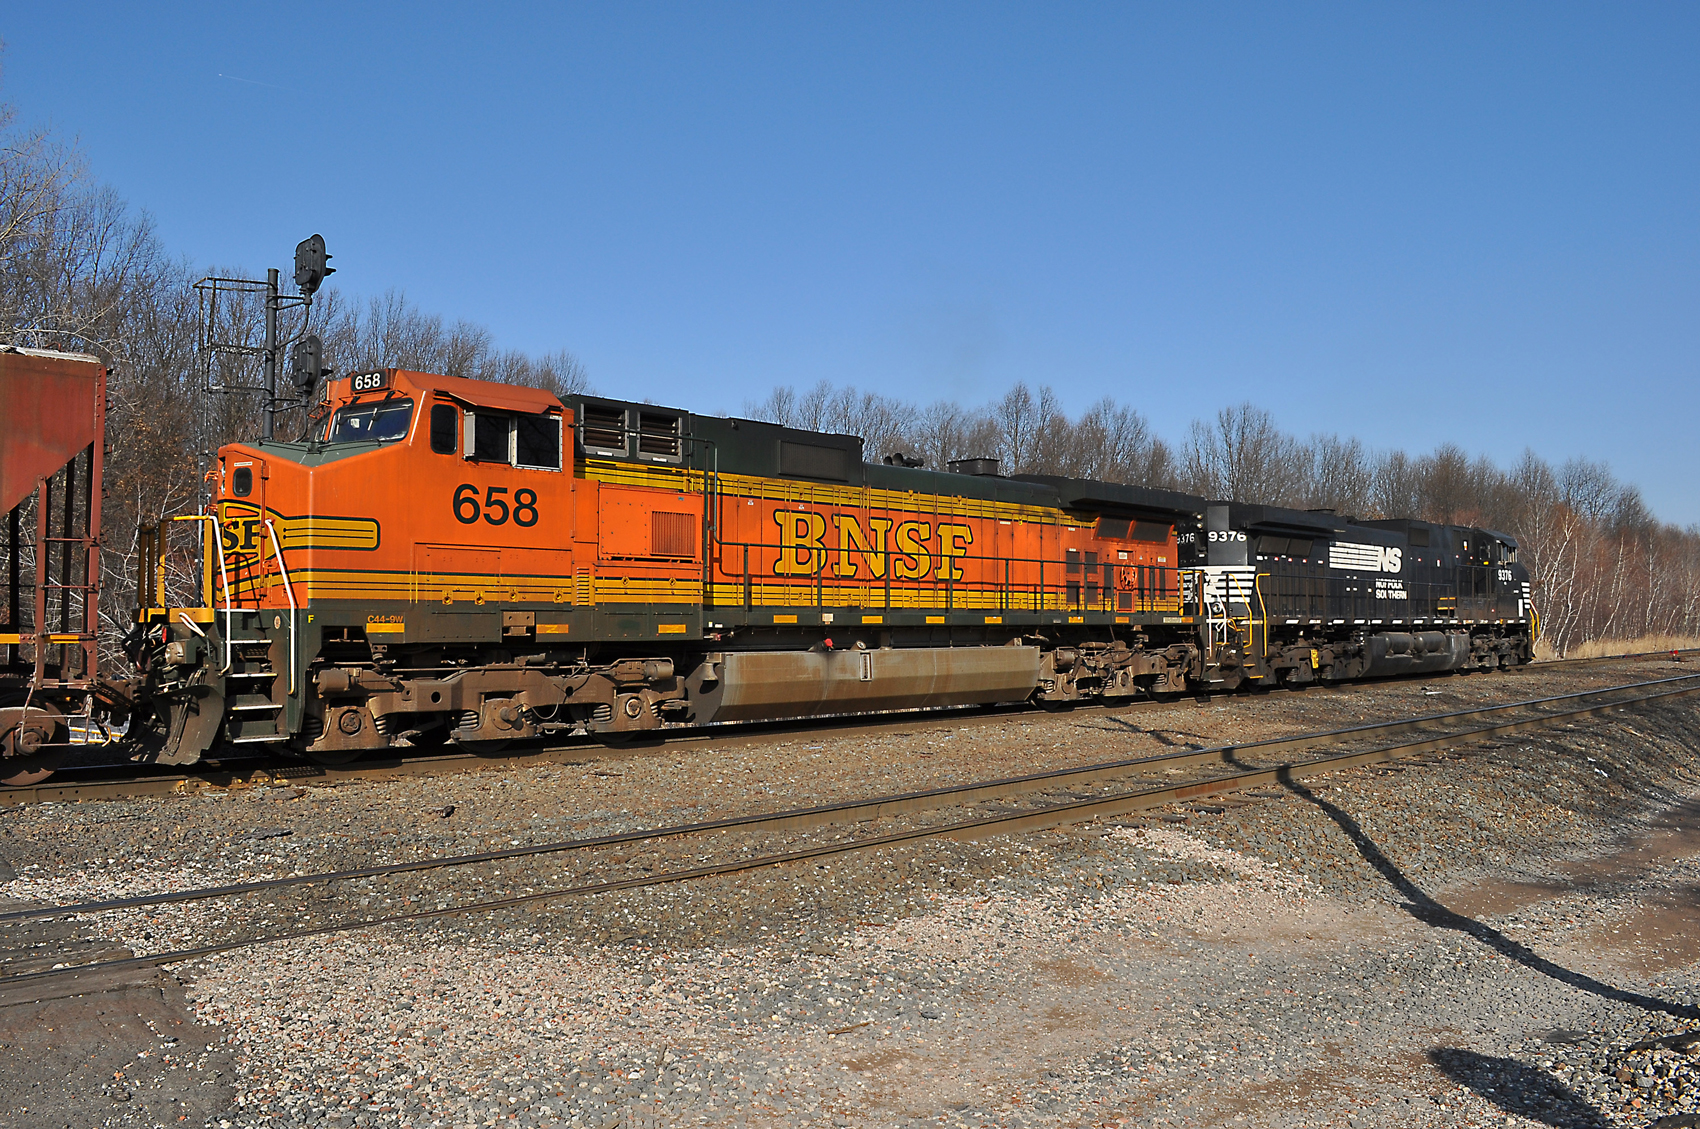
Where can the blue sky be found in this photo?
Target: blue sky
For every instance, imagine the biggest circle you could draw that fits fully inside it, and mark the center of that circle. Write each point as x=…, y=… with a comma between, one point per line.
x=1471, y=223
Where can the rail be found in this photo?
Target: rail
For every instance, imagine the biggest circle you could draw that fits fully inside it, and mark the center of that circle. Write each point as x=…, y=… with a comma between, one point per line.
x=1038, y=818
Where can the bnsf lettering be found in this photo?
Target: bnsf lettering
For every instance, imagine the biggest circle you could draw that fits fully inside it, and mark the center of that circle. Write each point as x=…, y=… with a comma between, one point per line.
x=494, y=507
x=243, y=535
x=871, y=545
x=906, y=550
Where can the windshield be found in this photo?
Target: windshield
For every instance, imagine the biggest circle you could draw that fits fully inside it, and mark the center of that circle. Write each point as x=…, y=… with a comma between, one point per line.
x=375, y=422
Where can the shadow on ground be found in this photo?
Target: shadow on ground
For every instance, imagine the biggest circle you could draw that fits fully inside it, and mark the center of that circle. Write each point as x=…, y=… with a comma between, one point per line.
x=1517, y=1089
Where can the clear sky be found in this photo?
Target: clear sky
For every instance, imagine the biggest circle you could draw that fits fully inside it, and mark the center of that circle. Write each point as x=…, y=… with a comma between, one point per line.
x=1470, y=223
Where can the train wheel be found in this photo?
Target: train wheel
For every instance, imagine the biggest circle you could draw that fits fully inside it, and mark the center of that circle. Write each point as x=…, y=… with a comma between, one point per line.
x=22, y=733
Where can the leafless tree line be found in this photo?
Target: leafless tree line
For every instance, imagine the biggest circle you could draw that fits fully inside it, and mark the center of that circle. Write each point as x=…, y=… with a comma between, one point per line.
x=81, y=271
x=1603, y=566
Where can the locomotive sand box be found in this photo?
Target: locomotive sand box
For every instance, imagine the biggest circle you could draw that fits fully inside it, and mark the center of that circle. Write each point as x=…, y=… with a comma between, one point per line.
x=449, y=559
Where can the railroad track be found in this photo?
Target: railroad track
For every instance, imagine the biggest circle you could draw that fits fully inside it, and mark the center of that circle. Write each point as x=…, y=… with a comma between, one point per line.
x=1224, y=769
x=138, y=781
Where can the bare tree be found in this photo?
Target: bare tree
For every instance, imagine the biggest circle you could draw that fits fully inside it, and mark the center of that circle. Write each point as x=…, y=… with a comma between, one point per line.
x=1242, y=456
x=1018, y=420
x=80, y=270
x=1341, y=477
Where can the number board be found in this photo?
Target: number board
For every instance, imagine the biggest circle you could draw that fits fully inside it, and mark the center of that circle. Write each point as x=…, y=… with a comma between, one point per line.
x=494, y=507
x=369, y=381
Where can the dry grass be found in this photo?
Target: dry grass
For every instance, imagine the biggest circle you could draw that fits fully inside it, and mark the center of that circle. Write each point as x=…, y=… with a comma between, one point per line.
x=1602, y=648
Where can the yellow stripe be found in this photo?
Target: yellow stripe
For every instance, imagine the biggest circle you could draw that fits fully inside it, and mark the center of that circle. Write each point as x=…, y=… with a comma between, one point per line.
x=793, y=492
x=11, y=639
x=994, y=619
x=553, y=628
x=385, y=628
x=328, y=533
x=785, y=619
x=873, y=619
x=670, y=629
x=935, y=619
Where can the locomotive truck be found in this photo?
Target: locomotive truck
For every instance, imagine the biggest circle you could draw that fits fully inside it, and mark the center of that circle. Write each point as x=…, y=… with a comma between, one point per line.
x=449, y=559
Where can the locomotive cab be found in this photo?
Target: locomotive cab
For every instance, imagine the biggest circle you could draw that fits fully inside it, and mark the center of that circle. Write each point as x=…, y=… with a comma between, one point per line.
x=421, y=509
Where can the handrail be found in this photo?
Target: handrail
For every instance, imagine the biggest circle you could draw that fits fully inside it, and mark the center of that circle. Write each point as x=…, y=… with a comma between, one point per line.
x=288, y=590
x=1165, y=595
x=224, y=576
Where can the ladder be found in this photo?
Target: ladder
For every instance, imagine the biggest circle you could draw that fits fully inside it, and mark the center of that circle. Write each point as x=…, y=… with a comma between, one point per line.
x=256, y=689
x=67, y=598
x=254, y=698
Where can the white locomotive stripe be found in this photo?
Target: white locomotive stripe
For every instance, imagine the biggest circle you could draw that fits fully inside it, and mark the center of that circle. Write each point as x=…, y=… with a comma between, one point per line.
x=1364, y=557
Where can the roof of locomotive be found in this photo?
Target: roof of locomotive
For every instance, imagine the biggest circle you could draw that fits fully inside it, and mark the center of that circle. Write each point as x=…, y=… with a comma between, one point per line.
x=478, y=393
x=1245, y=515
x=734, y=445
x=1119, y=498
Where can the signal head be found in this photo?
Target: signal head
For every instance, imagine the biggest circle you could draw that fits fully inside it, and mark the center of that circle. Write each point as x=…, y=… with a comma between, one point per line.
x=310, y=268
x=307, y=364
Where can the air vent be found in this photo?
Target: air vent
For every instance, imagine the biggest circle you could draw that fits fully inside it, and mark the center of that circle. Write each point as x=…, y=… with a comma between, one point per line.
x=605, y=428
x=672, y=535
x=658, y=435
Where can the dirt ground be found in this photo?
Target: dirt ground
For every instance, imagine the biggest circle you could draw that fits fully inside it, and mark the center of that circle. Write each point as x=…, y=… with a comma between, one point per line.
x=1480, y=938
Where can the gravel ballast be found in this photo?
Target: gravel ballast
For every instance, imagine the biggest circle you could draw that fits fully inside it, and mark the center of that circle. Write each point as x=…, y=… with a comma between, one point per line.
x=1495, y=935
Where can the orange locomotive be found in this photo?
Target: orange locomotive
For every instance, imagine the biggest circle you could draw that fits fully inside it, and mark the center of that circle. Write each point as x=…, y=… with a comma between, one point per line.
x=454, y=558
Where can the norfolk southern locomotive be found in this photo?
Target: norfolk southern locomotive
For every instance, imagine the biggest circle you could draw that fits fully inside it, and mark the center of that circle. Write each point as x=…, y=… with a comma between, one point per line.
x=447, y=559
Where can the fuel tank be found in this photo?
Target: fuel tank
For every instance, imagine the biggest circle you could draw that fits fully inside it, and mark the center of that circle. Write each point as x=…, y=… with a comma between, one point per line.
x=767, y=684
x=1422, y=652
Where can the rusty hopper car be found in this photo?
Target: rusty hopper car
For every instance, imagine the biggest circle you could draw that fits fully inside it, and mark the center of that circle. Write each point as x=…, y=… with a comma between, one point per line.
x=52, y=424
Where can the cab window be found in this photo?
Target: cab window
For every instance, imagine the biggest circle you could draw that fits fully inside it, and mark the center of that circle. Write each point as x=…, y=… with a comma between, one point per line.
x=380, y=421
x=537, y=441
x=445, y=429
x=530, y=441
x=490, y=438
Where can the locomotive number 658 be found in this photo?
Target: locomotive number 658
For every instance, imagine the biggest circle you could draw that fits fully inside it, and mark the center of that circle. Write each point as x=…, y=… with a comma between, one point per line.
x=494, y=507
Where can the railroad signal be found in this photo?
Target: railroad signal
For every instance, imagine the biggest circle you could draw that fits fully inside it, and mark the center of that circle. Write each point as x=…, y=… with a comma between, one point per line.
x=310, y=268
x=307, y=364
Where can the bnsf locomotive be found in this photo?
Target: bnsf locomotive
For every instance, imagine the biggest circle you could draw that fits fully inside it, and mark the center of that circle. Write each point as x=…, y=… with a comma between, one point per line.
x=449, y=559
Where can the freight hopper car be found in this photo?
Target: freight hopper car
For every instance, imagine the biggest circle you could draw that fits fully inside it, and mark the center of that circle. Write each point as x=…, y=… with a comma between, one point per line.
x=1292, y=597
x=456, y=559
x=53, y=697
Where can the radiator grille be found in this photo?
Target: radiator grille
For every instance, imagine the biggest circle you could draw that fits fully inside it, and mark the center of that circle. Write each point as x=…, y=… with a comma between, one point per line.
x=672, y=535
